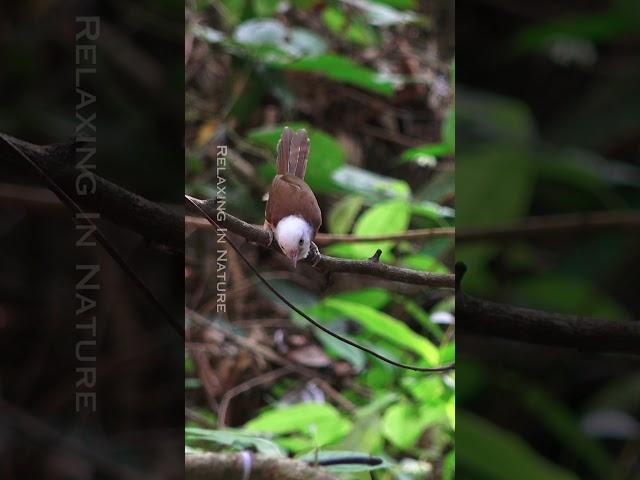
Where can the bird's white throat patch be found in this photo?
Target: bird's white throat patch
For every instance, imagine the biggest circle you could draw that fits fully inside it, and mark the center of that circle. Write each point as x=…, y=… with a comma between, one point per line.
x=289, y=231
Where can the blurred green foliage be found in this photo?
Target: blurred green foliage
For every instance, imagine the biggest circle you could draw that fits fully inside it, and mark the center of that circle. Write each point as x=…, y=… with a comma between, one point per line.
x=557, y=139
x=407, y=419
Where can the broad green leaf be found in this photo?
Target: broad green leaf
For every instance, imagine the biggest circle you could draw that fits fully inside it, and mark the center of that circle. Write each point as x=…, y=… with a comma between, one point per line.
x=297, y=42
x=352, y=29
x=326, y=154
x=344, y=70
x=400, y=4
x=403, y=423
x=382, y=15
x=424, y=263
x=428, y=391
x=265, y=8
x=422, y=317
x=321, y=422
x=388, y=217
x=494, y=118
x=425, y=155
x=491, y=452
x=354, y=356
x=387, y=327
x=235, y=439
x=343, y=214
x=373, y=297
x=498, y=184
x=369, y=184
x=449, y=466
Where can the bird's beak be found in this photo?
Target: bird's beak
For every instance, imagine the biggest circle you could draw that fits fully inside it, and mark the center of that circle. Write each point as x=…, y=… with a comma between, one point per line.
x=294, y=258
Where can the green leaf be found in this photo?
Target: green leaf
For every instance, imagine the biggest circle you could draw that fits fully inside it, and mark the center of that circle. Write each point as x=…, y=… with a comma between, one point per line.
x=382, y=15
x=352, y=29
x=449, y=466
x=343, y=214
x=494, y=117
x=387, y=327
x=425, y=155
x=491, y=452
x=373, y=297
x=344, y=70
x=391, y=216
x=235, y=439
x=320, y=422
x=403, y=423
x=499, y=180
x=265, y=8
x=424, y=263
x=268, y=32
x=354, y=356
x=371, y=185
x=422, y=317
x=326, y=154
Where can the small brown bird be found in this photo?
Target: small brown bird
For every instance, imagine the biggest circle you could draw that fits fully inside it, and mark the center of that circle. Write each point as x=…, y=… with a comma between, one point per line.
x=292, y=213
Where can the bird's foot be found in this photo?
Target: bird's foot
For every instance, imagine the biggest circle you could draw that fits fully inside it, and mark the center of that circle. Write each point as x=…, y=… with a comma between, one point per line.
x=271, y=235
x=314, y=254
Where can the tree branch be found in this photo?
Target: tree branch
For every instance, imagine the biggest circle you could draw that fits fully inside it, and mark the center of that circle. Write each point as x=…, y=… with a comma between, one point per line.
x=231, y=466
x=155, y=223
x=326, y=263
x=553, y=225
x=324, y=239
x=483, y=317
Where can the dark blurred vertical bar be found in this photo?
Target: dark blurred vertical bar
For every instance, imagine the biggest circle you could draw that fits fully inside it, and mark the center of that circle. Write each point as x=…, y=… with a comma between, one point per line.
x=548, y=218
x=91, y=371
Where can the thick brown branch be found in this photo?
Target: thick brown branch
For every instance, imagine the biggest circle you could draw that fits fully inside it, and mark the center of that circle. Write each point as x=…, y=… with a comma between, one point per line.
x=232, y=466
x=554, y=225
x=326, y=263
x=122, y=207
x=323, y=239
x=532, y=326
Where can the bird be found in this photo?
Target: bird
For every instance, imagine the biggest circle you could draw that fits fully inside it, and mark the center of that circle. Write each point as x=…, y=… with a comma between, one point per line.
x=292, y=214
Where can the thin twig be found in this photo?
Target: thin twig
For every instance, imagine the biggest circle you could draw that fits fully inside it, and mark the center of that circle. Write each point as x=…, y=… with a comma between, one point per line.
x=267, y=377
x=554, y=225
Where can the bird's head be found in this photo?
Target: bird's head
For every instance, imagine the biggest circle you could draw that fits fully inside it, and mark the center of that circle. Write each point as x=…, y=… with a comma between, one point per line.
x=294, y=237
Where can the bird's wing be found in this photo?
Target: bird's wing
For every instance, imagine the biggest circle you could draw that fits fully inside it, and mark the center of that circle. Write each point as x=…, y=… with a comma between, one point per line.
x=289, y=195
x=284, y=151
x=299, y=154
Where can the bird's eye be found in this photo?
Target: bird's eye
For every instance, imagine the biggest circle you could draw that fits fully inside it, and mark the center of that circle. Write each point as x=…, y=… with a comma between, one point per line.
x=300, y=242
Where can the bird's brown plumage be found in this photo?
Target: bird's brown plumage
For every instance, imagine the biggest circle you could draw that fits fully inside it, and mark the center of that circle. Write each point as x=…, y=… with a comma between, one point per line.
x=289, y=194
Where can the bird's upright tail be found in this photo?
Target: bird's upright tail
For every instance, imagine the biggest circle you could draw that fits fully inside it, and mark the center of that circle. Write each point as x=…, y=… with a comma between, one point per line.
x=293, y=152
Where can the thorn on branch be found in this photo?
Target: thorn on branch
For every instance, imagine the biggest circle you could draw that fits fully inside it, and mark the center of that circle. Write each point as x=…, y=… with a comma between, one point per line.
x=376, y=256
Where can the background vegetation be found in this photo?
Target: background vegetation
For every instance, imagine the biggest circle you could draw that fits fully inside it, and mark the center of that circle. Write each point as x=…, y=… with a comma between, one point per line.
x=372, y=82
x=547, y=121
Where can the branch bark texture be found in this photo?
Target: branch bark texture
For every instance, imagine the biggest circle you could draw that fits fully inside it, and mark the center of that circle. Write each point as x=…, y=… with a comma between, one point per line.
x=155, y=223
x=233, y=466
x=327, y=263
x=483, y=317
